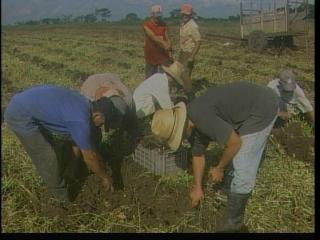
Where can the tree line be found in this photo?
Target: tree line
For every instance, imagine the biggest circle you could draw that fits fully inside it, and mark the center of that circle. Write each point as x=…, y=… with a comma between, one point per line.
x=104, y=14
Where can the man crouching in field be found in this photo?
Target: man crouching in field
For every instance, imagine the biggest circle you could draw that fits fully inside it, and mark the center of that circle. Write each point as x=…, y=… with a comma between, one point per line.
x=238, y=116
x=127, y=135
x=292, y=98
x=44, y=116
x=109, y=85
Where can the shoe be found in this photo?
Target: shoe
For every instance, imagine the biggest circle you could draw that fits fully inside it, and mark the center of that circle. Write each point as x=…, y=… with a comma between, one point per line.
x=234, y=215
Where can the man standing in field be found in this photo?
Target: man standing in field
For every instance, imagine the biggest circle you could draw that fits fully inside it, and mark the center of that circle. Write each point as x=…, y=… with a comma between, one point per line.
x=51, y=121
x=190, y=40
x=157, y=45
x=239, y=116
x=291, y=97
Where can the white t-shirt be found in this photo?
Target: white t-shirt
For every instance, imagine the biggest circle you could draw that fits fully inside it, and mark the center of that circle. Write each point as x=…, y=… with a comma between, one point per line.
x=154, y=90
x=189, y=35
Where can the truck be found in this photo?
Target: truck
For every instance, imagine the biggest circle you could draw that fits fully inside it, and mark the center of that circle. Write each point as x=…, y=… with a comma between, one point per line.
x=266, y=23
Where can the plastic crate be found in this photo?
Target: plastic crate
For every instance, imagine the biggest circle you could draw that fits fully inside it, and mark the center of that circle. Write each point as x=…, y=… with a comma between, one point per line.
x=162, y=161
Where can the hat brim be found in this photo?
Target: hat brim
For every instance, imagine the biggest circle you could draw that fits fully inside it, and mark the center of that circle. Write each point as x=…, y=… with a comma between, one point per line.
x=180, y=114
x=173, y=74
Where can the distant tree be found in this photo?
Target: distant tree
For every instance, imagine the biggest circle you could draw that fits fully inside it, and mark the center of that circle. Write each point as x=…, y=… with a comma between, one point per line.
x=132, y=17
x=45, y=21
x=32, y=22
x=90, y=18
x=103, y=14
x=234, y=18
x=56, y=20
x=66, y=18
x=78, y=19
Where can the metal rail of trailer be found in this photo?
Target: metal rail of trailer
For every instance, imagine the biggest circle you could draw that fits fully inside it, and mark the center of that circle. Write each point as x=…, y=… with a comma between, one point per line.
x=272, y=22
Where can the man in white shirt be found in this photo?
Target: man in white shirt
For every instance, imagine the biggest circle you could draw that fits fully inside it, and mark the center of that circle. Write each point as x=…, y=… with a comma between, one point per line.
x=189, y=45
x=291, y=96
x=154, y=92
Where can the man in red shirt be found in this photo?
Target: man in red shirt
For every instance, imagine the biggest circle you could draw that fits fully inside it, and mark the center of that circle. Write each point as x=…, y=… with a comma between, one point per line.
x=157, y=45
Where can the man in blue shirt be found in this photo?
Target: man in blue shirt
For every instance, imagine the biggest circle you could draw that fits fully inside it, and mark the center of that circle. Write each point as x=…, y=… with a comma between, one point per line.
x=40, y=110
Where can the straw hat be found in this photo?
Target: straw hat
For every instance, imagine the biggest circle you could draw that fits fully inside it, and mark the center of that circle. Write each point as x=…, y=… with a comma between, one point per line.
x=175, y=70
x=111, y=92
x=168, y=125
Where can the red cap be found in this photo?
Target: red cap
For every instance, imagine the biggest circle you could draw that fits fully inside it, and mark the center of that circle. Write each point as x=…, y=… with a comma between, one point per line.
x=186, y=9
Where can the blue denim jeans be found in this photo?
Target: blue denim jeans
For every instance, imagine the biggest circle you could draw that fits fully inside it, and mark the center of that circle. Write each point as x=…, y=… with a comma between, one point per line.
x=247, y=160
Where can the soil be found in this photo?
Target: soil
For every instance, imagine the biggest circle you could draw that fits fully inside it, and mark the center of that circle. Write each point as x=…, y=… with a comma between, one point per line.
x=141, y=197
x=295, y=144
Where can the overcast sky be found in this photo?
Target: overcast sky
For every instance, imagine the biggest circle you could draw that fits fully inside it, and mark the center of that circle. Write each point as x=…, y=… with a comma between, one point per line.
x=23, y=10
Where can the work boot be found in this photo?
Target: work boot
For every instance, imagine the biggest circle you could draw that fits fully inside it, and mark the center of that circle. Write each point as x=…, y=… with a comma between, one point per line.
x=233, y=219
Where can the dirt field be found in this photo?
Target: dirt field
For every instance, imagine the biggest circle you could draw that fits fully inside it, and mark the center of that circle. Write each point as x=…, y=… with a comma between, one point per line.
x=295, y=143
x=283, y=200
x=144, y=197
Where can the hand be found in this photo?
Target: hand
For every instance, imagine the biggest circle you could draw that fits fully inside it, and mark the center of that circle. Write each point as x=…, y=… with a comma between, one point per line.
x=216, y=174
x=283, y=115
x=167, y=46
x=107, y=183
x=196, y=196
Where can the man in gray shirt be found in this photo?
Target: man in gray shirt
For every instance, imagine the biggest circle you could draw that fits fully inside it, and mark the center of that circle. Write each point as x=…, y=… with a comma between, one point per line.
x=239, y=116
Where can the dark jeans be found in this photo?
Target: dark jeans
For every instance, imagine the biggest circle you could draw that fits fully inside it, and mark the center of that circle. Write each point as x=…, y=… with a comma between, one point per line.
x=151, y=69
x=63, y=173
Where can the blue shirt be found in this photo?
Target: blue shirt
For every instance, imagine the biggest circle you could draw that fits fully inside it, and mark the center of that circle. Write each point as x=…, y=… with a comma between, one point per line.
x=55, y=108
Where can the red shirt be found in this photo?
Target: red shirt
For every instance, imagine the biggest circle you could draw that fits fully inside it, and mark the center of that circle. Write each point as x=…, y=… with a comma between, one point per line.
x=153, y=54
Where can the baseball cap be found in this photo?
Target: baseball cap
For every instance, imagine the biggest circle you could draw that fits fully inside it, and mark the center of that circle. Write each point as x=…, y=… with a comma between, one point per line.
x=287, y=80
x=156, y=10
x=186, y=9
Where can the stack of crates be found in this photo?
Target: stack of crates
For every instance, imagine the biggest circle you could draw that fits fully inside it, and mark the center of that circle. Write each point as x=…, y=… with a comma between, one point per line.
x=161, y=161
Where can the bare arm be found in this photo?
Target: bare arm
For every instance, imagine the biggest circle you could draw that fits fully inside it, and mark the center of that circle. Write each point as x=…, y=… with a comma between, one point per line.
x=195, y=49
x=94, y=162
x=161, y=43
x=196, y=194
x=167, y=38
x=283, y=115
x=231, y=149
x=169, y=45
x=310, y=116
x=198, y=163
